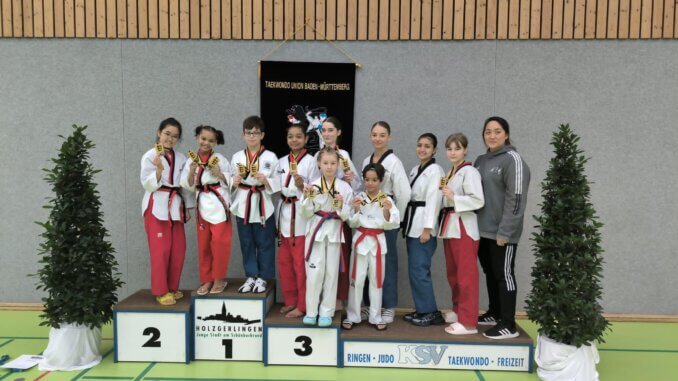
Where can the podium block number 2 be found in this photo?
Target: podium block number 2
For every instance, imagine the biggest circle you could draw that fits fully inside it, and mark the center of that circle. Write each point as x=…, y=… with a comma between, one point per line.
x=153, y=342
x=305, y=349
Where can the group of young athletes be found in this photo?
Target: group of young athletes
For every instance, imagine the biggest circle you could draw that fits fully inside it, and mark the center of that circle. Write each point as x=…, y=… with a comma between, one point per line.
x=336, y=227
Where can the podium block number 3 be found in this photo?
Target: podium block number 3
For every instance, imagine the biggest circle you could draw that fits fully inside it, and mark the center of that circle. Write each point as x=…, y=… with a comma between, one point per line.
x=305, y=349
x=153, y=342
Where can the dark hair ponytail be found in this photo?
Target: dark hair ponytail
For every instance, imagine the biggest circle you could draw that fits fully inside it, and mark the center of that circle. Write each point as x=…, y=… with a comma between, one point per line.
x=170, y=122
x=219, y=135
x=430, y=137
x=504, y=126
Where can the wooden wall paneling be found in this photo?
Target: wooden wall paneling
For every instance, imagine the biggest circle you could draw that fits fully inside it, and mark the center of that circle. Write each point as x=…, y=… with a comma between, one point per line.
x=121, y=19
x=469, y=19
x=492, y=6
x=288, y=19
x=405, y=19
x=18, y=19
x=546, y=19
x=198, y=18
x=646, y=19
x=215, y=19
x=246, y=19
x=669, y=15
x=579, y=18
x=236, y=19
x=394, y=23
x=373, y=20
x=174, y=19
x=48, y=17
x=524, y=32
x=675, y=20
x=27, y=14
x=362, y=20
x=448, y=18
x=206, y=18
x=80, y=18
x=38, y=23
x=601, y=19
x=458, y=23
x=657, y=18
x=309, y=19
x=384, y=21
x=69, y=18
x=634, y=21
x=342, y=12
x=535, y=19
x=481, y=12
x=320, y=22
x=514, y=19
x=557, y=21
x=100, y=16
x=415, y=19
x=257, y=19
x=132, y=17
x=590, y=22
x=153, y=19
x=6, y=18
x=425, y=19
x=502, y=19
x=299, y=10
x=226, y=19
x=568, y=19
x=163, y=19
x=331, y=19
x=278, y=19
x=624, y=13
x=352, y=20
x=612, y=19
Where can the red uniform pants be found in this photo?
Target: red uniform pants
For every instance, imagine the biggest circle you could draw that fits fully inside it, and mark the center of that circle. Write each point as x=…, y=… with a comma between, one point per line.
x=343, y=279
x=291, y=264
x=167, y=249
x=461, y=258
x=214, y=249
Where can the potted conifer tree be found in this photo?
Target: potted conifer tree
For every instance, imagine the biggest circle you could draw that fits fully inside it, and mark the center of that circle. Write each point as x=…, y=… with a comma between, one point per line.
x=566, y=289
x=79, y=271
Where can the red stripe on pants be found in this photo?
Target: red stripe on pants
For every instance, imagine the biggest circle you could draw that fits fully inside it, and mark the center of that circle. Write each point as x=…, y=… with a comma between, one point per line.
x=461, y=258
x=167, y=250
x=214, y=249
x=291, y=264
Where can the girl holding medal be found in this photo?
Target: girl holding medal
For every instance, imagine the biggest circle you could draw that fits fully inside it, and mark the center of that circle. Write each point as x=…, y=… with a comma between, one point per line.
x=372, y=211
x=209, y=174
x=164, y=208
x=326, y=203
x=462, y=196
x=295, y=170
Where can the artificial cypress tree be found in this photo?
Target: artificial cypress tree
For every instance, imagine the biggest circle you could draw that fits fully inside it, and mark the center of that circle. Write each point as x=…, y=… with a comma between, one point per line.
x=79, y=270
x=566, y=289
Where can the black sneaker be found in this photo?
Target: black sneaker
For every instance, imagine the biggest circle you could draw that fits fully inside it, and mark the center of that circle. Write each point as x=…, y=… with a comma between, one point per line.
x=408, y=317
x=501, y=331
x=430, y=318
x=487, y=319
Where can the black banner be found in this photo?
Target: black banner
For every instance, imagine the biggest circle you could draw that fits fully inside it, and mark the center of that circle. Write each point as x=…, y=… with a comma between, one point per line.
x=310, y=92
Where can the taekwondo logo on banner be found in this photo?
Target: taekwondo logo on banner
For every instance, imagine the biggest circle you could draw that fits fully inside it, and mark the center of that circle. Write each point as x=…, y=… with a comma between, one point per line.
x=307, y=92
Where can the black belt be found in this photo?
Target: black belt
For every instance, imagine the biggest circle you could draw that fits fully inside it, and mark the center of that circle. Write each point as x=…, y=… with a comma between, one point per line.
x=288, y=200
x=409, y=215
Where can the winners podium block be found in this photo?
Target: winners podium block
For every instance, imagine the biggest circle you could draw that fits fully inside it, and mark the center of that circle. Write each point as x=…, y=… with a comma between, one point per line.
x=287, y=341
x=404, y=345
x=230, y=325
x=149, y=332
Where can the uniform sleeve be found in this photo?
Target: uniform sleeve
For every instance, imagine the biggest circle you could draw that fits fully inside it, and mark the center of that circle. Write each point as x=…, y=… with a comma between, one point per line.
x=354, y=217
x=473, y=198
x=357, y=178
x=274, y=185
x=227, y=170
x=345, y=211
x=433, y=199
x=313, y=172
x=187, y=192
x=148, y=179
x=308, y=207
x=517, y=179
x=394, y=221
x=401, y=187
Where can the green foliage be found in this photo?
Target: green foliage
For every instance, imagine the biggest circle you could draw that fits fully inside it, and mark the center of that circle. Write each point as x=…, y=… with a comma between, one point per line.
x=79, y=269
x=566, y=276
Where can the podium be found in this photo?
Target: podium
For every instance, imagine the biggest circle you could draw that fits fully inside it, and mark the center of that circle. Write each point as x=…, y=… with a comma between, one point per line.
x=146, y=331
x=287, y=341
x=404, y=345
x=230, y=326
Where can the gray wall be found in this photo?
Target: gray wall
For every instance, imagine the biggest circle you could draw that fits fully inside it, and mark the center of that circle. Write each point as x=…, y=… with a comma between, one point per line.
x=619, y=96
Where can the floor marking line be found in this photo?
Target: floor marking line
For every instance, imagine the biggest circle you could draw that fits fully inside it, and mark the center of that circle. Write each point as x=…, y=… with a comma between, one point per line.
x=6, y=342
x=148, y=369
x=480, y=376
x=42, y=375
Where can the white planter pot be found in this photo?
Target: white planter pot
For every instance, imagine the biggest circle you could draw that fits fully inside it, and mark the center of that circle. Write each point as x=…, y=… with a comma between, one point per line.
x=72, y=347
x=561, y=362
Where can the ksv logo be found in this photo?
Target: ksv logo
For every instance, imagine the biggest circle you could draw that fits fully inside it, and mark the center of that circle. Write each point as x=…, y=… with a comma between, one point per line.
x=420, y=354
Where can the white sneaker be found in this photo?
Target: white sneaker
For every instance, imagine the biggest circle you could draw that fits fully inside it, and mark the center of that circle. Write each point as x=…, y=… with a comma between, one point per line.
x=259, y=286
x=387, y=314
x=247, y=286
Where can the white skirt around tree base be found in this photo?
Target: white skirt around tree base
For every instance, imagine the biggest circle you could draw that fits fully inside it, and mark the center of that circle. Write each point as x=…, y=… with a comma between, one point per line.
x=561, y=362
x=72, y=347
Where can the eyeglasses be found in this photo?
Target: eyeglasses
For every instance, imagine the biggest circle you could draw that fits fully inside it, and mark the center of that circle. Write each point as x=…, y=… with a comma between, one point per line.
x=252, y=133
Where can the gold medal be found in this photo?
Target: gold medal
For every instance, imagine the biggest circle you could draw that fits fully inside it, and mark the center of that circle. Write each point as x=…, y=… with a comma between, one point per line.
x=293, y=167
x=242, y=170
x=381, y=197
x=159, y=149
x=213, y=162
x=192, y=155
x=336, y=203
x=254, y=168
x=443, y=183
x=345, y=165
